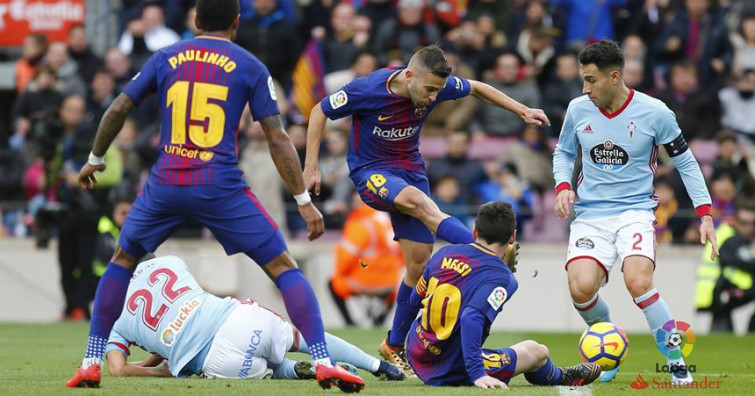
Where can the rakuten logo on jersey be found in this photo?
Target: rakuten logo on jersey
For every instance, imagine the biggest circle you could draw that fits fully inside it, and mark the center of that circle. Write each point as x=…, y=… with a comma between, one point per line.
x=609, y=156
x=395, y=133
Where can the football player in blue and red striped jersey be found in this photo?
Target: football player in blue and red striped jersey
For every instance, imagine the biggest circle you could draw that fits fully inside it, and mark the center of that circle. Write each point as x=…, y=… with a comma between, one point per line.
x=203, y=85
x=469, y=284
x=388, y=108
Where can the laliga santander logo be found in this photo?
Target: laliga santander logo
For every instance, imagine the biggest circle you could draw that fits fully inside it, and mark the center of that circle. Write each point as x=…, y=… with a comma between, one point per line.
x=675, y=339
x=639, y=383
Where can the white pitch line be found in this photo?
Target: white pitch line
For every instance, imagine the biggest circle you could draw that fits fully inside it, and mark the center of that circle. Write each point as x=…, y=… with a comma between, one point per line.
x=574, y=391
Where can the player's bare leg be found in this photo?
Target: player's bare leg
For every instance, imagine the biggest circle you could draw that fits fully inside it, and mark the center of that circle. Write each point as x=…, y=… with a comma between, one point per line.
x=413, y=202
x=638, y=277
x=585, y=277
x=533, y=359
x=391, y=349
x=304, y=311
x=108, y=304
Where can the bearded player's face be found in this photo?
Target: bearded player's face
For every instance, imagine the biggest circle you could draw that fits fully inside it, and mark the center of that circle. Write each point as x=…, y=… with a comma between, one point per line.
x=424, y=88
x=598, y=85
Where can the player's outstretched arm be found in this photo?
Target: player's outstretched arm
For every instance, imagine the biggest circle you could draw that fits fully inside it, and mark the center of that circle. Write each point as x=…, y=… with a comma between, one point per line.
x=315, y=132
x=287, y=162
x=490, y=95
x=111, y=123
x=119, y=366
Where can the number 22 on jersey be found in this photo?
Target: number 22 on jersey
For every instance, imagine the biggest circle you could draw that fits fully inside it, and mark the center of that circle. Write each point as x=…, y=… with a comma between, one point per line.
x=200, y=110
x=145, y=297
x=440, y=308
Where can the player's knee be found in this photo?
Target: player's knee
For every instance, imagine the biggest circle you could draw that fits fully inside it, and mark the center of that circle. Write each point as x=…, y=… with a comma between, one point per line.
x=538, y=352
x=581, y=289
x=639, y=285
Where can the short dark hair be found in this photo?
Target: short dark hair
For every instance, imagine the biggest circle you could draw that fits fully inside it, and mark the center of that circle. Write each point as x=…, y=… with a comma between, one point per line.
x=604, y=54
x=495, y=222
x=216, y=15
x=433, y=58
x=744, y=204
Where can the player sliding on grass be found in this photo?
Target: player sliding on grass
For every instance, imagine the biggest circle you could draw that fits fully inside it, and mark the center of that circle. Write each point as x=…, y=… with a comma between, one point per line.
x=203, y=85
x=388, y=108
x=619, y=131
x=462, y=290
x=168, y=314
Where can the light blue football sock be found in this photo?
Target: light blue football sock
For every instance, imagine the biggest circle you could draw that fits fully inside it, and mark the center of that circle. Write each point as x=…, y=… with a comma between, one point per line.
x=593, y=311
x=657, y=314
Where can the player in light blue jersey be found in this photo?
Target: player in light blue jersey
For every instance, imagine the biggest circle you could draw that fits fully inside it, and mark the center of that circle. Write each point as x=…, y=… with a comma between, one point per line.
x=619, y=131
x=388, y=108
x=169, y=315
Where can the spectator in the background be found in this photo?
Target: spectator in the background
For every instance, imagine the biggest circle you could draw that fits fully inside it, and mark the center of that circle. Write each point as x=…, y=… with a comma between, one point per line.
x=256, y=163
x=452, y=115
x=32, y=52
x=40, y=101
x=78, y=49
x=637, y=58
x=119, y=66
x=697, y=111
x=470, y=41
x=634, y=74
x=499, y=10
x=294, y=221
x=535, y=47
x=697, y=34
x=650, y=23
x=368, y=263
x=400, y=37
x=362, y=64
x=146, y=35
x=495, y=121
x=447, y=195
x=338, y=46
x=190, y=25
x=532, y=17
x=561, y=89
x=337, y=188
x=666, y=210
x=69, y=80
x=731, y=158
x=109, y=228
x=378, y=11
x=101, y=94
x=743, y=41
x=532, y=157
x=467, y=171
x=505, y=185
x=722, y=194
x=270, y=37
x=738, y=106
x=589, y=20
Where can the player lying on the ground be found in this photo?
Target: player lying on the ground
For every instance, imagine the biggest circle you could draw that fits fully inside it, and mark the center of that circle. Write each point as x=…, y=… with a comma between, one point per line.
x=168, y=314
x=469, y=283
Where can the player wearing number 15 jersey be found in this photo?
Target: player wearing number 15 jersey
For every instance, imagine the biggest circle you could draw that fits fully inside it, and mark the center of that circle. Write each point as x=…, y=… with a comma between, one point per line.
x=462, y=290
x=203, y=84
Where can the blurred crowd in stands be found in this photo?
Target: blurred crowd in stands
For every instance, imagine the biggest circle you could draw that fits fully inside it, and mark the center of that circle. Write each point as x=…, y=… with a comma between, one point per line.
x=698, y=56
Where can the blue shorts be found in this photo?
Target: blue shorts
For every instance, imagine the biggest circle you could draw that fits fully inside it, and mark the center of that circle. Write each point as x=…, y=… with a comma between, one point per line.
x=500, y=363
x=234, y=216
x=378, y=188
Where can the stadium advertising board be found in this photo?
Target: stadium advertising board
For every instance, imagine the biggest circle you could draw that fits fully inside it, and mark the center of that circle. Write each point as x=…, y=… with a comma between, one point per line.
x=19, y=18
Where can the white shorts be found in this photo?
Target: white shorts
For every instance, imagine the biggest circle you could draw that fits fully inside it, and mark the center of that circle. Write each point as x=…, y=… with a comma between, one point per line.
x=606, y=239
x=249, y=338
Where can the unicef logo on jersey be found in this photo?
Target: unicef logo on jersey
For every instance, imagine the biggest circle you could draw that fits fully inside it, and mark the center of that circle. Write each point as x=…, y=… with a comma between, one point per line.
x=608, y=156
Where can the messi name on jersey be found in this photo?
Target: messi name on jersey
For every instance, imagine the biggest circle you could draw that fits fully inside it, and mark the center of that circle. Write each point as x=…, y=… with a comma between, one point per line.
x=609, y=156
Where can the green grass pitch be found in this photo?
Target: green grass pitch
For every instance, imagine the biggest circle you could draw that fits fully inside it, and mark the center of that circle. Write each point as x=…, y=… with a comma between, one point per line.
x=38, y=359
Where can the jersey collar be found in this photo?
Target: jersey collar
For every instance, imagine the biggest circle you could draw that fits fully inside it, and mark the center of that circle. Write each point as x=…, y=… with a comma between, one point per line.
x=212, y=38
x=483, y=248
x=390, y=78
x=617, y=112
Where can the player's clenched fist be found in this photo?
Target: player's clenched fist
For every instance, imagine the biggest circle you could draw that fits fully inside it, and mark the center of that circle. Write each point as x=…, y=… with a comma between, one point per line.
x=489, y=382
x=313, y=217
x=564, y=201
x=312, y=179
